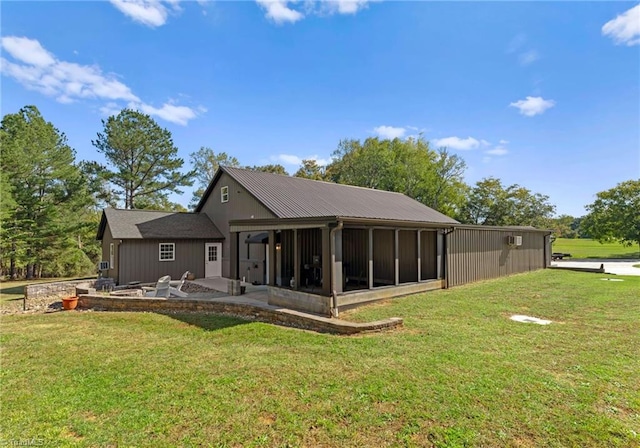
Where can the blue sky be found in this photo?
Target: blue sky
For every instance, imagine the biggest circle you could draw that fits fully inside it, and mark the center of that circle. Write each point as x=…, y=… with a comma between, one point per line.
x=546, y=95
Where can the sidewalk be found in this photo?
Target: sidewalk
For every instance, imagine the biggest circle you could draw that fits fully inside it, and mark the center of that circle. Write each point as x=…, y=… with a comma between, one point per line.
x=618, y=267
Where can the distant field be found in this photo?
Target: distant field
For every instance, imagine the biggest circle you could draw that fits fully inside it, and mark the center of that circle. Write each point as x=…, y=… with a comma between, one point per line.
x=587, y=248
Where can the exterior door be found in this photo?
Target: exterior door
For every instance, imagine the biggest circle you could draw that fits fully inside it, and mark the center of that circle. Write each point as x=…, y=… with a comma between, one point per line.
x=213, y=259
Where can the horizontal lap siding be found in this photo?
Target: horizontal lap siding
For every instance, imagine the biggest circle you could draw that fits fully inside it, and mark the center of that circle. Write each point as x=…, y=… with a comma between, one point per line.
x=139, y=260
x=478, y=254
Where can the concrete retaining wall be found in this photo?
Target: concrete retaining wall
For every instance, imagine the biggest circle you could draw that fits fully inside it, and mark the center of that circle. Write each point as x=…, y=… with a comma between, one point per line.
x=57, y=289
x=287, y=318
x=311, y=303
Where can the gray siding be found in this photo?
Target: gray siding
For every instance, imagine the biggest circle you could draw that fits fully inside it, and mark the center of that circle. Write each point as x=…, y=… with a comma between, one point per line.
x=139, y=259
x=241, y=205
x=408, y=255
x=383, y=257
x=479, y=254
x=107, y=239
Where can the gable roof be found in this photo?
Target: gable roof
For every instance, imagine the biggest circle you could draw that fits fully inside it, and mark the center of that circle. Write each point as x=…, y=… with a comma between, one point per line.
x=295, y=197
x=152, y=224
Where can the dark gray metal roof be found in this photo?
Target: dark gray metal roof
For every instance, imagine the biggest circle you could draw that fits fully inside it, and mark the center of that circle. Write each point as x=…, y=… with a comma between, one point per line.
x=151, y=224
x=294, y=197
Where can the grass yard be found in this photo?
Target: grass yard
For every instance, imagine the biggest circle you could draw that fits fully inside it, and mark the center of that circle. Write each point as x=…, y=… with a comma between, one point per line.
x=587, y=248
x=460, y=373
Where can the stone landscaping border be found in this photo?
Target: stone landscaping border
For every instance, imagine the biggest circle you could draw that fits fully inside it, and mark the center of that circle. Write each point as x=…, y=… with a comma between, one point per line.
x=278, y=316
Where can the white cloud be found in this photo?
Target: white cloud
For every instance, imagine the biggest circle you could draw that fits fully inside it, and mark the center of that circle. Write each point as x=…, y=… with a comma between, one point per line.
x=37, y=69
x=497, y=151
x=516, y=43
x=27, y=50
x=290, y=159
x=462, y=144
x=279, y=11
x=528, y=57
x=148, y=12
x=625, y=28
x=533, y=105
x=485, y=143
x=503, y=142
x=390, y=132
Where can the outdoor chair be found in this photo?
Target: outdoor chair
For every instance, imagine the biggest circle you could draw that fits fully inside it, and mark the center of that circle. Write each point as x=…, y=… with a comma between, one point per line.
x=161, y=290
x=175, y=287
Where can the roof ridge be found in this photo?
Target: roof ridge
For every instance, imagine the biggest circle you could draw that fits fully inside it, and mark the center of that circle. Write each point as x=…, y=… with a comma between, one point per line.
x=226, y=168
x=149, y=210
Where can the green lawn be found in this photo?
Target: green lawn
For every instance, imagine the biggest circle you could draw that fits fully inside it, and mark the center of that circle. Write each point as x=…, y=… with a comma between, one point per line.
x=459, y=373
x=586, y=248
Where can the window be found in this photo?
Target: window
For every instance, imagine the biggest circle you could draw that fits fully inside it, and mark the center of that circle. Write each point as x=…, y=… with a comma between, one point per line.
x=213, y=253
x=224, y=194
x=111, y=256
x=167, y=251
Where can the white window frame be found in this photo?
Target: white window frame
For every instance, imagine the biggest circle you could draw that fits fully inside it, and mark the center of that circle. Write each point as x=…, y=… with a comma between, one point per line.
x=166, y=251
x=111, y=255
x=224, y=194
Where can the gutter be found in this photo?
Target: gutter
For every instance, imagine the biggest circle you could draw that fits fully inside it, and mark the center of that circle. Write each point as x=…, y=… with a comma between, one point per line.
x=334, y=294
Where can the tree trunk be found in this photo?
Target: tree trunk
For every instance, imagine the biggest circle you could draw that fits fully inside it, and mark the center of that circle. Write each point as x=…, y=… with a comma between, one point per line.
x=12, y=266
x=30, y=267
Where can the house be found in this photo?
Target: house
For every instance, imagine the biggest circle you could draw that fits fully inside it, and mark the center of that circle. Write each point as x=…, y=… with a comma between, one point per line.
x=319, y=246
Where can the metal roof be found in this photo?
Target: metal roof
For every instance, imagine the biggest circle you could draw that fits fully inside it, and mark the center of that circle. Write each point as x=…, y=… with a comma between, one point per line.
x=295, y=197
x=152, y=224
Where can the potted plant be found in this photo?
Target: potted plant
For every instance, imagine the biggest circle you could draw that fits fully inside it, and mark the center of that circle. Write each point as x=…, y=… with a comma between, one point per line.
x=70, y=303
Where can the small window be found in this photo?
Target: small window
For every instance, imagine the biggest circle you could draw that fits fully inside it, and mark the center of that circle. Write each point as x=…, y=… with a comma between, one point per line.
x=111, y=256
x=213, y=253
x=167, y=251
x=224, y=194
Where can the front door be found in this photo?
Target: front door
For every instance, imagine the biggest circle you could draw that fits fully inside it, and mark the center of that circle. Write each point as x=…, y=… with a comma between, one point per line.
x=213, y=260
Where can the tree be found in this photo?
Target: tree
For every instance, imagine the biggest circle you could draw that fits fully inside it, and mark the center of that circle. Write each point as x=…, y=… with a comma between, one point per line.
x=205, y=163
x=490, y=203
x=615, y=214
x=145, y=164
x=47, y=192
x=275, y=169
x=563, y=226
x=408, y=166
x=310, y=170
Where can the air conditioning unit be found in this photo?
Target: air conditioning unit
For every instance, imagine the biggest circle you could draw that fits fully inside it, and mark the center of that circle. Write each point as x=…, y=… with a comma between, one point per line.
x=103, y=265
x=514, y=240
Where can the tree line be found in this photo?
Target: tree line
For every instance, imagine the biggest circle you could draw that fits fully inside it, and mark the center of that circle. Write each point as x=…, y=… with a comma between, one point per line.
x=50, y=203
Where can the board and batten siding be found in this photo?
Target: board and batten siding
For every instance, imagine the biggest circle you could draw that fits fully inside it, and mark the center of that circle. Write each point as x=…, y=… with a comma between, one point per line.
x=107, y=240
x=241, y=205
x=141, y=259
x=481, y=254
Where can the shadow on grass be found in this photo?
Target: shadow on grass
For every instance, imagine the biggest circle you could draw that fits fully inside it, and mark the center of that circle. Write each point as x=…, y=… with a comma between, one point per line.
x=208, y=322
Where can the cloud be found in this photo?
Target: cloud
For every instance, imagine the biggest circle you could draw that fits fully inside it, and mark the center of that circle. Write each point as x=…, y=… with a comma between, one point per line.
x=497, y=151
x=279, y=11
x=152, y=13
x=462, y=144
x=389, y=132
x=516, y=43
x=283, y=11
x=290, y=159
x=533, y=105
x=503, y=142
x=528, y=57
x=625, y=28
x=37, y=69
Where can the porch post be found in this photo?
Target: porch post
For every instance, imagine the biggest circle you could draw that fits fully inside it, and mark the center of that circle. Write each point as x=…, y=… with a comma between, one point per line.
x=296, y=258
x=272, y=258
x=419, y=257
x=397, y=256
x=235, y=256
x=370, y=270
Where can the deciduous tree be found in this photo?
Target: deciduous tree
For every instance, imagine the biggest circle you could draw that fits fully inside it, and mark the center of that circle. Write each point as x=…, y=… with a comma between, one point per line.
x=615, y=214
x=205, y=162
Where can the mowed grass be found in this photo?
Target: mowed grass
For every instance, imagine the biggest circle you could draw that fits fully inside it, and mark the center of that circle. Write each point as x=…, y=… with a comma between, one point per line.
x=459, y=373
x=587, y=248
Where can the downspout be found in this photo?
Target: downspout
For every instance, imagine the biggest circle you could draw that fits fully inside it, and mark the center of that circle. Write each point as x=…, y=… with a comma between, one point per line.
x=547, y=248
x=334, y=294
x=445, y=253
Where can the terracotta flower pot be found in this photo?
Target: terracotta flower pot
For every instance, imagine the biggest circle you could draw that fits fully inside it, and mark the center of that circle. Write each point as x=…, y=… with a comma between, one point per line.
x=70, y=303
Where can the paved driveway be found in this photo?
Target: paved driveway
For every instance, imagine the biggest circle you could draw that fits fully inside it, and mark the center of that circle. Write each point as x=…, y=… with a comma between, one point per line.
x=618, y=267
